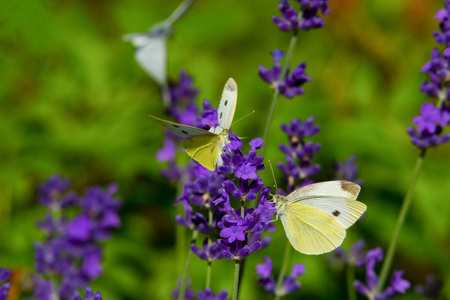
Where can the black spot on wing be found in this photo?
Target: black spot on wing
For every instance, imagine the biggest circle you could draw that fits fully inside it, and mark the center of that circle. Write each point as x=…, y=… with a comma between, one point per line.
x=226, y=102
x=185, y=132
x=336, y=213
x=220, y=117
x=176, y=126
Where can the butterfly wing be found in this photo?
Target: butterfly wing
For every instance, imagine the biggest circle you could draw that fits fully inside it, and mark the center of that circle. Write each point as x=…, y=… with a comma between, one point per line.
x=205, y=149
x=335, y=198
x=183, y=130
x=310, y=230
x=227, y=106
x=336, y=188
x=151, y=53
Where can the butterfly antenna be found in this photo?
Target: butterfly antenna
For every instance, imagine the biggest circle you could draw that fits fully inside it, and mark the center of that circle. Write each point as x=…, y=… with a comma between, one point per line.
x=243, y=117
x=273, y=175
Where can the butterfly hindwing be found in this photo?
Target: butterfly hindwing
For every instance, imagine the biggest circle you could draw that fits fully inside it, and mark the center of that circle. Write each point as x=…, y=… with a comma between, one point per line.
x=310, y=230
x=205, y=149
x=227, y=106
x=182, y=130
x=345, y=211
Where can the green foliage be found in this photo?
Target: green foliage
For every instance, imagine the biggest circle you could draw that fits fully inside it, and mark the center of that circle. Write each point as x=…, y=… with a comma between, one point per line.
x=74, y=101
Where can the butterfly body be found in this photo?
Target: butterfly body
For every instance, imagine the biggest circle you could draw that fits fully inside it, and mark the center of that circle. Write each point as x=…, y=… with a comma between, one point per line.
x=206, y=147
x=315, y=217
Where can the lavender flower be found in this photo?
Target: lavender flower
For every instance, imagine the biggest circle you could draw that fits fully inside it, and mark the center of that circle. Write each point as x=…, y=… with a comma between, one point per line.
x=305, y=19
x=207, y=294
x=397, y=283
x=430, y=125
x=432, y=288
x=267, y=281
x=347, y=170
x=70, y=251
x=433, y=119
x=183, y=109
x=90, y=295
x=299, y=154
x=290, y=86
x=210, y=252
x=4, y=287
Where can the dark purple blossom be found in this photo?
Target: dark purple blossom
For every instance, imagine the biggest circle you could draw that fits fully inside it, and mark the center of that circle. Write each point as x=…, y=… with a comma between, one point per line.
x=235, y=231
x=4, y=287
x=299, y=153
x=347, y=170
x=207, y=294
x=304, y=19
x=290, y=86
x=430, y=125
x=267, y=281
x=443, y=37
x=397, y=283
x=71, y=252
x=432, y=288
x=309, y=13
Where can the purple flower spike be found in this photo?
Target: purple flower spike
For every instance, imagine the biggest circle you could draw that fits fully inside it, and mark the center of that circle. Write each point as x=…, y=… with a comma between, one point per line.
x=71, y=250
x=291, y=86
x=207, y=294
x=189, y=293
x=398, y=284
x=235, y=232
x=309, y=13
x=4, y=287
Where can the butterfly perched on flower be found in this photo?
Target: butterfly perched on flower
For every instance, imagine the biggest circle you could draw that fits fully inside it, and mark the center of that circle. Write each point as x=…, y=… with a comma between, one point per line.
x=206, y=147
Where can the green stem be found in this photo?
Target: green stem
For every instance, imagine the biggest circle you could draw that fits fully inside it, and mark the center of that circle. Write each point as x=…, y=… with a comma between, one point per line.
x=186, y=268
x=350, y=274
x=179, y=11
x=276, y=92
x=401, y=218
x=287, y=253
x=209, y=265
x=237, y=266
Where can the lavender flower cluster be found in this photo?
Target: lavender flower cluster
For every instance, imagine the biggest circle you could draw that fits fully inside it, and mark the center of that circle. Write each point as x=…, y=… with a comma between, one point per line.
x=434, y=118
x=397, y=283
x=70, y=256
x=289, y=85
x=307, y=17
x=299, y=153
x=289, y=284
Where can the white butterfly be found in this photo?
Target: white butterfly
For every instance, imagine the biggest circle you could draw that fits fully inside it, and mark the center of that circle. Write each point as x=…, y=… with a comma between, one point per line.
x=206, y=147
x=151, y=50
x=315, y=217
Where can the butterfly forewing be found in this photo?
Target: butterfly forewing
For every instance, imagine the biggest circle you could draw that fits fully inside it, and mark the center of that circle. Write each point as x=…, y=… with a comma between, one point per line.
x=336, y=188
x=227, y=106
x=311, y=231
x=205, y=149
x=182, y=130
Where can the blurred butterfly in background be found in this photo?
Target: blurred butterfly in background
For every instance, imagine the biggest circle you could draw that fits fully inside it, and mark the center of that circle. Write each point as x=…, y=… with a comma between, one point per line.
x=204, y=146
x=315, y=217
x=151, y=49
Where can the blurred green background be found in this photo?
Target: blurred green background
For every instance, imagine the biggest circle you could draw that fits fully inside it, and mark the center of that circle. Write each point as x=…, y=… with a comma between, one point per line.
x=73, y=100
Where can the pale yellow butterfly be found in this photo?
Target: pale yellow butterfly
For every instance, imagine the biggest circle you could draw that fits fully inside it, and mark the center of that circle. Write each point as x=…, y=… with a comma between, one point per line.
x=204, y=146
x=315, y=217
